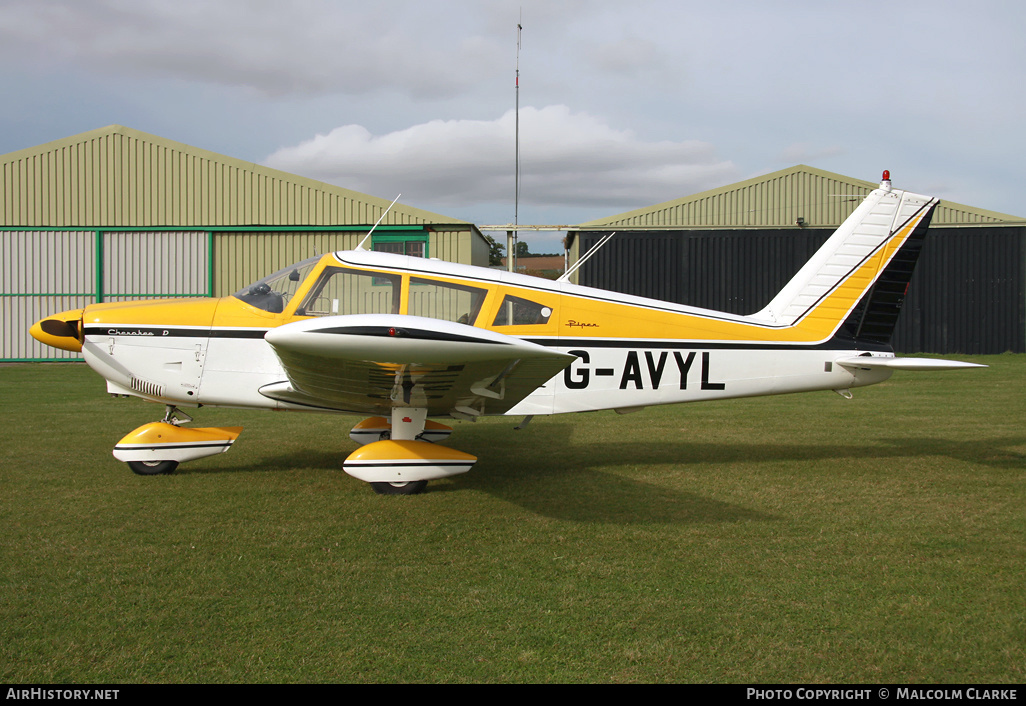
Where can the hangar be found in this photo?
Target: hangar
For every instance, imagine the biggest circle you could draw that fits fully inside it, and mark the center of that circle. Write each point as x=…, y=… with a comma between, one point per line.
x=116, y=214
x=733, y=248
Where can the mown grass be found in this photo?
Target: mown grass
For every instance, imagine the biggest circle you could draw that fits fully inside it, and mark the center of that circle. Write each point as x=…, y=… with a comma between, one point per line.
x=792, y=539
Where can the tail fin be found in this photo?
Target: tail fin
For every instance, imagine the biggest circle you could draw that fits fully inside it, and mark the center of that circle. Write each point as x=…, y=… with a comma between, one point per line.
x=855, y=284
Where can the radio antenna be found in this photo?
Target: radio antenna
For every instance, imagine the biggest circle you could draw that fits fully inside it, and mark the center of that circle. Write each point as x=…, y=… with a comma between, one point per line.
x=512, y=242
x=565, y=277
x=516, y=205
x=360, y=246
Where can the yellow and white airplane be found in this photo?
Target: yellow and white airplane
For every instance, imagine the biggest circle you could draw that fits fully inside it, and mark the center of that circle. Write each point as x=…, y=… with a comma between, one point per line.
x=403, y=339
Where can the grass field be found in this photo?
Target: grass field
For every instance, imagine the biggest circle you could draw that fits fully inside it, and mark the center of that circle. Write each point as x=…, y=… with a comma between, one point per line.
x=792, y=539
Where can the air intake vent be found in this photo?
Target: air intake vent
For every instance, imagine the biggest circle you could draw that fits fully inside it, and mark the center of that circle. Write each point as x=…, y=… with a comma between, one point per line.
x=150, y=389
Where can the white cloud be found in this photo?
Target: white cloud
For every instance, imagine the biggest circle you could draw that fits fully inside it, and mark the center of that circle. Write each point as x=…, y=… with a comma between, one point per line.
x=567, y=158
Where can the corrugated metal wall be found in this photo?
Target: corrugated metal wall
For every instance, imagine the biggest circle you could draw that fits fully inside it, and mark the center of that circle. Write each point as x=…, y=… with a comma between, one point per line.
x=42, y=273
x=47, y=271
x=968, y=293
x=458, y=246
x=712, y=269
x=244, y=257
x=141, y=265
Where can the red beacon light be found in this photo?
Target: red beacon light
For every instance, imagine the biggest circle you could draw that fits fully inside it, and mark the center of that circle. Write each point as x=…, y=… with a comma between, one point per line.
x=887, y=175
x=885, y=182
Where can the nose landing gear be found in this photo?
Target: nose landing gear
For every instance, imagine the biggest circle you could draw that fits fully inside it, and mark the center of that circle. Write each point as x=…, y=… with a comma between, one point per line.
x=158, y=447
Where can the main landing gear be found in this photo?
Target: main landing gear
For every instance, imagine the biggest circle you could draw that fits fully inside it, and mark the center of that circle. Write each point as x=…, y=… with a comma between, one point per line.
x=152, y=468
x=399, y=458
x=410, y=487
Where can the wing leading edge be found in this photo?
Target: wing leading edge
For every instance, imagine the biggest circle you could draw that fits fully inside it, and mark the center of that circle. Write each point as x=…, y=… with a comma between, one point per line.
x=372, y=363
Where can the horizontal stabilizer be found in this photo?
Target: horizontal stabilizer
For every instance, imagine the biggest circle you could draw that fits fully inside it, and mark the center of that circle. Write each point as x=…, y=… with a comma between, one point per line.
x=869, y=362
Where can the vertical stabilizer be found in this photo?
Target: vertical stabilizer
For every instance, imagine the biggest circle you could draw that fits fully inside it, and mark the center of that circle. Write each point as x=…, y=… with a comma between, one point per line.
x=856, y=283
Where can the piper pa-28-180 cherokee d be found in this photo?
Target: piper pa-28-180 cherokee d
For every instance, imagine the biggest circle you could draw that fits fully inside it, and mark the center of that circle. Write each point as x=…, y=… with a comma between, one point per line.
x=403, y=339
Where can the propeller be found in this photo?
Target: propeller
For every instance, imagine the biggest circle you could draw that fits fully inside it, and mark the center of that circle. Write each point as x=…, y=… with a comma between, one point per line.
x=63, y=330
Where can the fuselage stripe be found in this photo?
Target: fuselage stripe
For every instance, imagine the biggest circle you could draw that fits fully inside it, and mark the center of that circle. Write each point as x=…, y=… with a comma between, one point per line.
x=397, y=464
x=184, y=445
x=560, y=342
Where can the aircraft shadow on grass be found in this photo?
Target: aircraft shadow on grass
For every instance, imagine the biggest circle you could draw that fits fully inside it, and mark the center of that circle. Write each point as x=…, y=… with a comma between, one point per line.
x=547, y=472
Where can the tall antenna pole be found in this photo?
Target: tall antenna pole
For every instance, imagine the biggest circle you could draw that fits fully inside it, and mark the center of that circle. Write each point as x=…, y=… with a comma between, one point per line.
x=511, y=242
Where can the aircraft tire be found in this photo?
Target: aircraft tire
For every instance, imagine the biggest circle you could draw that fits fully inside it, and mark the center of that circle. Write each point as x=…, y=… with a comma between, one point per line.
x=152, y=468
x=408, y=488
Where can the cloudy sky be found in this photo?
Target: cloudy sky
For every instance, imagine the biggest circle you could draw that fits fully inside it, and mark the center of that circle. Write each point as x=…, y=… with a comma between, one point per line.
x=622, y=104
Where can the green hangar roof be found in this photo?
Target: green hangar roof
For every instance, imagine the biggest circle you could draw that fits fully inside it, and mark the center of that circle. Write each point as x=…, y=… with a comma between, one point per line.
x=119, y=177
x=779, y=199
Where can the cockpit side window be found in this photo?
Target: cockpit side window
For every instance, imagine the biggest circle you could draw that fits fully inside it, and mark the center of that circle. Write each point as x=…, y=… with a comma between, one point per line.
x=445, y=300
x=516, y=311
x=341, y=291
x=273, y=293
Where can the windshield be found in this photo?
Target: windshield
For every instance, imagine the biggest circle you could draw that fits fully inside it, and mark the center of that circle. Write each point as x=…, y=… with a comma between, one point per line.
x=273, y=293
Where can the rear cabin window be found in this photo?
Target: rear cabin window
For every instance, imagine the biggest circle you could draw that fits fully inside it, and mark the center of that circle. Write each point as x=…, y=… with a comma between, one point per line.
x=340, y=291
x=444, y=300
x=516, y=311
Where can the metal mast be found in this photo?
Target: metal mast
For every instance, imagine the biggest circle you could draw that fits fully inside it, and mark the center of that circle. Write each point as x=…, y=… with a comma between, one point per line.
x=511, y=236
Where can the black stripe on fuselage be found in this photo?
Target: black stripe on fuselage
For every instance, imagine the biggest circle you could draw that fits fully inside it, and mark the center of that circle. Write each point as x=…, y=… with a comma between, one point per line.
x=835, y=343
x=154, y=447
x=404, y=332
x=135, y=331
x=385, y=463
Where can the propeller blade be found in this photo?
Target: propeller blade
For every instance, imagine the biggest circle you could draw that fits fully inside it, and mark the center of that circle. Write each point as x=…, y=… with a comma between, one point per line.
x=55, y=327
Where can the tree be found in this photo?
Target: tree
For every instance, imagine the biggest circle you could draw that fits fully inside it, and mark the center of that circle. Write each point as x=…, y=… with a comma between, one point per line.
x=495, y=251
